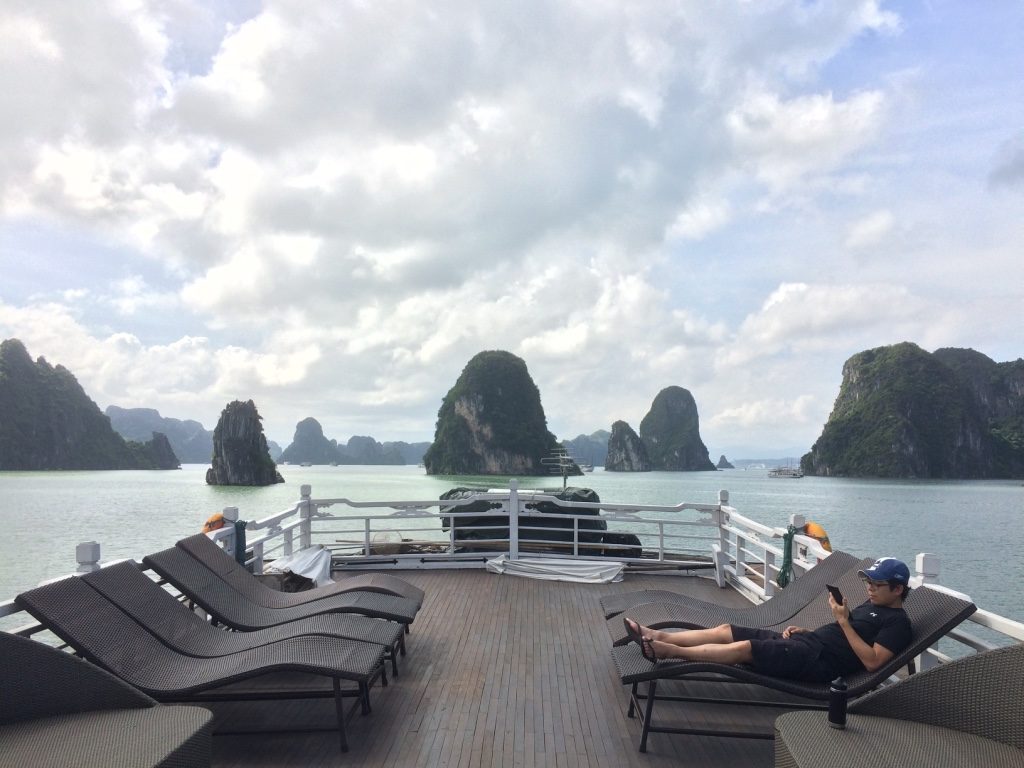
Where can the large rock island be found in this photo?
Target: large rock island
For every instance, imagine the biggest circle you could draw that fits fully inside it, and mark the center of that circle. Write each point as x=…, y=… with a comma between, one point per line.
x=902, y=412
x=626, y=451
x=491, y=422
x=671, y=433
x=240, y=454
x=47, y=421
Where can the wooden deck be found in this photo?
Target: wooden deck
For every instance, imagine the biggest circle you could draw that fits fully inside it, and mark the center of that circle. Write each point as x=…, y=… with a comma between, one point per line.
x=500, y=671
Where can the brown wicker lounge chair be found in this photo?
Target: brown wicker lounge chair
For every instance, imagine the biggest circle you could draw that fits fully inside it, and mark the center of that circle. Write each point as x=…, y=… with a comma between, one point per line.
x=675, y=616
x=225, y=566
x=104, y=634
x=59, y=710
x=125, y=585
x=234, y=609
x=932, y=614
x=809, y=609
x=966, y=712
x=779, y=608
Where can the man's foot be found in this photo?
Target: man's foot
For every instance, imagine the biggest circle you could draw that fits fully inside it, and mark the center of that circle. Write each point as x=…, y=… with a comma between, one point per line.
x=633, y=630
x=647, y=649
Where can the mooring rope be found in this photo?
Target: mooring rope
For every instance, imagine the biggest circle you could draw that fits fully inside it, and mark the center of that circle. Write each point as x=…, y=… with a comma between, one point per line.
x=786, y=571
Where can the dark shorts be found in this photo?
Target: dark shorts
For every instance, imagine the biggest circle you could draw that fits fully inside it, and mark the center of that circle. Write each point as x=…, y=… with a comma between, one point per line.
x=797, y=658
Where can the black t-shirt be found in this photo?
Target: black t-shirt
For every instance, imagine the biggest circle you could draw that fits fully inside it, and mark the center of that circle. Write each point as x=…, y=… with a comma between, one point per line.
x=888, y=627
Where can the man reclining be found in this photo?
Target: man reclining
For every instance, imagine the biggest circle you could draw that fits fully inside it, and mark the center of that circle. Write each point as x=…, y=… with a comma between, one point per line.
x=864, y=638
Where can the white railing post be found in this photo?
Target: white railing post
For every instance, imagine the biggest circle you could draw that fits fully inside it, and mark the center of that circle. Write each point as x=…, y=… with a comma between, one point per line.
x=926, y=568
x=576, y=537
x=88, y=556
x=926, y=571
x=306, y=513
x=287, y=550
x=720, y=551
x=230, y=515
x=366, y=538
x=257, y=558
x=513, y=519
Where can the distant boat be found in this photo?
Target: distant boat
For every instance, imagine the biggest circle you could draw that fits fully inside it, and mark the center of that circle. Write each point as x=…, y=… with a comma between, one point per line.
x=306, y=464
x=794, y=472
x=587, y=467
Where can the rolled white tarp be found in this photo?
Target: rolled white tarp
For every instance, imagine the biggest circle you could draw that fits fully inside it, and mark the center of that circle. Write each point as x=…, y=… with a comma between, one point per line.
x=312, y=562
x=555, y=569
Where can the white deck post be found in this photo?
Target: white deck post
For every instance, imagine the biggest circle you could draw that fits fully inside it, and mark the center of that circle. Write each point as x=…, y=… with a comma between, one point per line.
x=926, y=569
x=230, y=517
x=720, y=550
x=306, y=513
x=513, y=519
x=88, y=556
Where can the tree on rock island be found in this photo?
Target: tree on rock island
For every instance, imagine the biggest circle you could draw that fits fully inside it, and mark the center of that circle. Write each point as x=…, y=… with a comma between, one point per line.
x=491, y=422
x=240, y=454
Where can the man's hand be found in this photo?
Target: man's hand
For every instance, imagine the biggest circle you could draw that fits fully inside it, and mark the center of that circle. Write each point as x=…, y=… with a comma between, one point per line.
x=840, y=611
x=793, y=630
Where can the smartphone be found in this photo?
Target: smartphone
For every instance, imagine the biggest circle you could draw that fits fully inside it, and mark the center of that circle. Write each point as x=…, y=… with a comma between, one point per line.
x=836, y=594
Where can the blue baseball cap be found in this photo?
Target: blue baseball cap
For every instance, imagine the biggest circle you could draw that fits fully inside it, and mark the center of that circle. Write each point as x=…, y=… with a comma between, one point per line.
x=887, y=569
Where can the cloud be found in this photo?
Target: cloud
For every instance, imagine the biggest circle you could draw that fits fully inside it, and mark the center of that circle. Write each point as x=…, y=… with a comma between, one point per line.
x=869, y=231
x=331, y=207
x=1008, y=169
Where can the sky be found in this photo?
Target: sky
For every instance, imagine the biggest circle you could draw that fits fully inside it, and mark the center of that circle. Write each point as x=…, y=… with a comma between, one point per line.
x=330, y=207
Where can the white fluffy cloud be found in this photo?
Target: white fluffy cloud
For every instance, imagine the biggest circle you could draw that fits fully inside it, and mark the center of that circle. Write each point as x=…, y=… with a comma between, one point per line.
x=330, y=207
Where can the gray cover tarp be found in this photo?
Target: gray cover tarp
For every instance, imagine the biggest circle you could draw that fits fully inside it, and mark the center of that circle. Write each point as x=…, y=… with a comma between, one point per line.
x=554, y=569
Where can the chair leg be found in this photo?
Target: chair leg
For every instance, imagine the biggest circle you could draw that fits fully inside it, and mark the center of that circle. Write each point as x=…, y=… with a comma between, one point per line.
x=631, y=712
x=648, y=710
x=339, y=706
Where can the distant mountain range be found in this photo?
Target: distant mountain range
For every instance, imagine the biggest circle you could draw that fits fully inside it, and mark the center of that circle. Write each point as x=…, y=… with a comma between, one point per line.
x=310, y=446
x=192, y=443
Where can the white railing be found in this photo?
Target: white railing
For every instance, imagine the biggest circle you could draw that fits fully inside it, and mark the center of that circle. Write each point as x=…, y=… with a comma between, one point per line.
x=436, y=533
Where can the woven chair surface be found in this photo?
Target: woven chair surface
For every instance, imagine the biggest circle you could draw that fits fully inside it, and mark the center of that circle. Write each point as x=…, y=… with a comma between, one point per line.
x=225, y=566
x=779, y=608
x=125, y=585
x=162, y=737
x=979, y=694
x=101, y=632
x=39, y=681
x=805, y=740
x=229, y=607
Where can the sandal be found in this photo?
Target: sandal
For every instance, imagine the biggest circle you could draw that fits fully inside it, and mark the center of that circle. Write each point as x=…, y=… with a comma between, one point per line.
x=647, y=649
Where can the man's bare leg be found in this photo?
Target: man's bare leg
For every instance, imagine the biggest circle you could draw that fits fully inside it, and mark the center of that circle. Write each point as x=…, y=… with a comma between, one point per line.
x=728, y=653
x=689, y=637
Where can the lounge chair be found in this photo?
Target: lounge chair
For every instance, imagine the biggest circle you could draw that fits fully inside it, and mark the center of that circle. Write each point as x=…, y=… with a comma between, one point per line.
x=125, y=585
x=59, y=710
x=104, y=634
x=966, y=712
x=812, y=614
x=932, y=614
x=225, y=566
x=779, y=608
x=228, y=606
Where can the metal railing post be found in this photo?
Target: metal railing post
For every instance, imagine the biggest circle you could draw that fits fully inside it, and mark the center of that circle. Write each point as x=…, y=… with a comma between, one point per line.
x=513, y=519
x=306, y=513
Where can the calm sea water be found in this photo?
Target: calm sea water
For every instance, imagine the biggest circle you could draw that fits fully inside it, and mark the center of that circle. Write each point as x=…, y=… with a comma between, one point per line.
x=977, y=528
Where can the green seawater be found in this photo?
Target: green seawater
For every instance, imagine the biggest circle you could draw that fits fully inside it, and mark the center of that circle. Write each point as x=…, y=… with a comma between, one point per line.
x=976, y=527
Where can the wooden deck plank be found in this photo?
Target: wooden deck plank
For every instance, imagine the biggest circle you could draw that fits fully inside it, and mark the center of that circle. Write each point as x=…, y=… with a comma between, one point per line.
x=500, y=671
